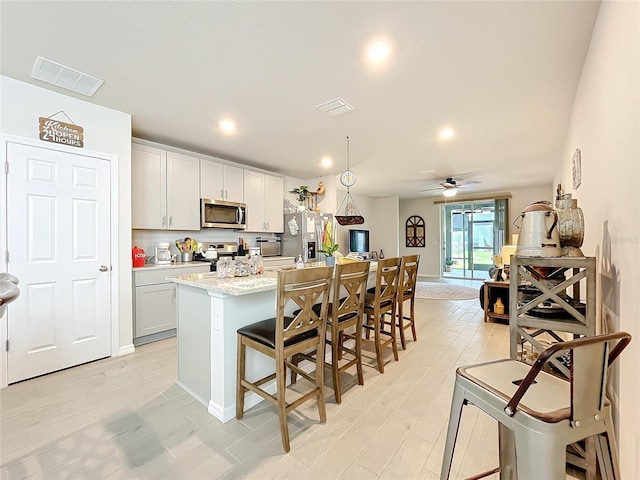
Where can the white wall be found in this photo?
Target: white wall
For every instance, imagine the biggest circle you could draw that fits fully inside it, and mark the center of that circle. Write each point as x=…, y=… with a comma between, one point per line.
x=605, y=126
x=431, y=254
x=105, y=130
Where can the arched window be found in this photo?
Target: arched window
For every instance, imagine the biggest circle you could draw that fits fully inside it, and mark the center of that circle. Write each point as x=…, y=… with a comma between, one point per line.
x=415, y=231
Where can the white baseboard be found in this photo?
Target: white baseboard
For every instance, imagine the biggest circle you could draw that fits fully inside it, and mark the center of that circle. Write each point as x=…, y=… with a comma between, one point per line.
x=126, y=350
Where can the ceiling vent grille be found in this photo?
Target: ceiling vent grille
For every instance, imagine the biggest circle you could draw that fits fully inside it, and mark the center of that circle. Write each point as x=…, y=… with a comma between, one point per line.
x=335, y=107
x=65, y=77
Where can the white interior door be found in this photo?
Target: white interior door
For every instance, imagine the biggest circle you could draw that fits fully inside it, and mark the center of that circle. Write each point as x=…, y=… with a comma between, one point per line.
x=59, y=222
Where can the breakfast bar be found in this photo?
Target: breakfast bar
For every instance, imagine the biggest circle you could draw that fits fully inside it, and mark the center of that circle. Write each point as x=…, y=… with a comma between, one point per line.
x=210, y=311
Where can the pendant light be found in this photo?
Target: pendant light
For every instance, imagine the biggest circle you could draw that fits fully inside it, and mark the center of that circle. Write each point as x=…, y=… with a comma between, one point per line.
x=351, y=214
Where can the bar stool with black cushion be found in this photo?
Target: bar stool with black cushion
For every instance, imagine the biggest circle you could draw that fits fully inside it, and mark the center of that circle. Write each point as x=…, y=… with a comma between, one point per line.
x=350, y=283
x=284, y=336
x=380, y=301
x=407, y=292
x=539, y=414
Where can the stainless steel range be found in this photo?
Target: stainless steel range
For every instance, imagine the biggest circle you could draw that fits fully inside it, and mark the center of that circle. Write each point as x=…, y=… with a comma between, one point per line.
x=221, y=249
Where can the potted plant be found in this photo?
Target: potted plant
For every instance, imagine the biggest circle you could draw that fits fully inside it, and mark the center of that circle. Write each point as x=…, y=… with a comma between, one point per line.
x=329, y=247
x=302, y=193
x=448, y=264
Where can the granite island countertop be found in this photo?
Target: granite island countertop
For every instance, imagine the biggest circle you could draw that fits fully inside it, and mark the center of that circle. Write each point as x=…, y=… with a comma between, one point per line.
x=230, y=285
x=268, y=280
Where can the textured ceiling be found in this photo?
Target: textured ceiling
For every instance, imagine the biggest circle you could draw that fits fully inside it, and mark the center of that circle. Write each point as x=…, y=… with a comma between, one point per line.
x=502, y=74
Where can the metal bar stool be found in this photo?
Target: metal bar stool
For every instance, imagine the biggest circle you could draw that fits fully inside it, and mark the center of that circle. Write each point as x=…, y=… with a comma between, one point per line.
x=539, y=414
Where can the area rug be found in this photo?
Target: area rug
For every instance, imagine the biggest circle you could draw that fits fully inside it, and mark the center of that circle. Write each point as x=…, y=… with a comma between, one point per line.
x=444, y=291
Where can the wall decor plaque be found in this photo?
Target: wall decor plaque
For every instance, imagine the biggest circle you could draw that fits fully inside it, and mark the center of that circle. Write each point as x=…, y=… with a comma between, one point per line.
x=55, y=131
x=415, y=230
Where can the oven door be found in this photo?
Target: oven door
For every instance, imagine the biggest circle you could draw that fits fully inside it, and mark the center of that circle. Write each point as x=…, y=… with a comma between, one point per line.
x=221, y=214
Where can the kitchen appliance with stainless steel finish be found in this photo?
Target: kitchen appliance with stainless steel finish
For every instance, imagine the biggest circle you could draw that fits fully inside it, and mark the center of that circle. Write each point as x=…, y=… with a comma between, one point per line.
x=162, y=253
x=212, y=252
x=303, y=234
x=222, y=214
x=269, y=246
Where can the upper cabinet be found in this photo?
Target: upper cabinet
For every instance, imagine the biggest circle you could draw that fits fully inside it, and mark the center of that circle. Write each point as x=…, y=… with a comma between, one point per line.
x=165, y=189
x=265, y=202
x=219, y=181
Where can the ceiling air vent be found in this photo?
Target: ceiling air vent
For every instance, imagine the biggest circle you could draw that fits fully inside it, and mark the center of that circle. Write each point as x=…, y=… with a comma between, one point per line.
x=65, y=77
x=335, y=107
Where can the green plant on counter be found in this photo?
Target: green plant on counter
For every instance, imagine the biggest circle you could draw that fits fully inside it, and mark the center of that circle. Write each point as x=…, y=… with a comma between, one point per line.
x=448, y=261
x=302, y=192
x=328, y=245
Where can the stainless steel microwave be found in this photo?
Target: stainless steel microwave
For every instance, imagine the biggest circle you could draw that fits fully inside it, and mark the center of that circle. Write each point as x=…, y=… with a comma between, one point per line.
x=222, y=214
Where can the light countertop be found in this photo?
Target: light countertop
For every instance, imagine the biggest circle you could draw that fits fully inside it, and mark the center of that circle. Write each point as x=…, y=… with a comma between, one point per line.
x=230, y=285
x=268, y=280
x=152, y=266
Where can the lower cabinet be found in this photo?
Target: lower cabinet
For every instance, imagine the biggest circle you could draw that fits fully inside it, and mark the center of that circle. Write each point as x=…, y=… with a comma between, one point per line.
x=154, y=302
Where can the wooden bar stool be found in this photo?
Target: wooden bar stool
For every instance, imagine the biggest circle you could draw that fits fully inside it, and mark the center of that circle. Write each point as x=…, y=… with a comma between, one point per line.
x=283, y=336
x=380, y=301
x=350, y=283
x=407, y=292
x=539, y=414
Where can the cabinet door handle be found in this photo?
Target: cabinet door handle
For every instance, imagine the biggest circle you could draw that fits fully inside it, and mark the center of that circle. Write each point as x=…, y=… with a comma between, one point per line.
x=170, y=221
x=164, y=221
x=222, y=193
x=226, y=194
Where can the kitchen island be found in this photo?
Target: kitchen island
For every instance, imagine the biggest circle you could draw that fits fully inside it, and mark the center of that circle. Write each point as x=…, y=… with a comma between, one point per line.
x=210, y=311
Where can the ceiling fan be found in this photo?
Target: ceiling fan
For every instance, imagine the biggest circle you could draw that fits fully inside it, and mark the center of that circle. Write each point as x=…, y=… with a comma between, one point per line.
x=450, y=186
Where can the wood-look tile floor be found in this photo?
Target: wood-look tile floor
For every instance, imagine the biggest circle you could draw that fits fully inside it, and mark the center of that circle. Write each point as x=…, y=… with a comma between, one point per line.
x=124, y=418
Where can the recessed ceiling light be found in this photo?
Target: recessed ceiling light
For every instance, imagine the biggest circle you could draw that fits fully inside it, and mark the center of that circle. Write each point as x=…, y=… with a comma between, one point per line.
x=326, y=162
x=378, y=52
x=446, y=133
x=227, y=126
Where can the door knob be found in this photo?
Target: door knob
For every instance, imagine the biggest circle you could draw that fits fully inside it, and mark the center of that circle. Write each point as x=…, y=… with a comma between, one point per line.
x=103, y=268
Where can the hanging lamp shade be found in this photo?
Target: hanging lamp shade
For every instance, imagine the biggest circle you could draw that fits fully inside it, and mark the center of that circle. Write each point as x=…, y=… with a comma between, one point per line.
x=351, y=213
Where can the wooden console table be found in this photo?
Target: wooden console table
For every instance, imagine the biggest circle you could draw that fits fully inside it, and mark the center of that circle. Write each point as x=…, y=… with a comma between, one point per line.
x=494, y=289
x=569, y=272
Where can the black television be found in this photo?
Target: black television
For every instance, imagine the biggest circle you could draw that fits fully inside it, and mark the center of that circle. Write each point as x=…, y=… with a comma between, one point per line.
x=359, y=241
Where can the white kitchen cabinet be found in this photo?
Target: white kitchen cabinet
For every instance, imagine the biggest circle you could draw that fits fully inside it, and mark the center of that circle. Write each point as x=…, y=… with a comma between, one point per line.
x=264, y=196
x=219, y=181
x=164, y=189
x=274, y=203
x=154, y=301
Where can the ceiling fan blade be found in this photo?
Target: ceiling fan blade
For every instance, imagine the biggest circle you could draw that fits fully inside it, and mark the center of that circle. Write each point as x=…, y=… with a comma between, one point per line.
x=432, y=189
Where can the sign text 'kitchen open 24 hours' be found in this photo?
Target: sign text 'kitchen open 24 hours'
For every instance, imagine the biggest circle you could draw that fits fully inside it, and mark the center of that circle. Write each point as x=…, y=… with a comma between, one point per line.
x=60, y=132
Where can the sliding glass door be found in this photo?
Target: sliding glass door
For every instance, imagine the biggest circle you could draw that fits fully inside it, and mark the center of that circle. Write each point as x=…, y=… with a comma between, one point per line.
x=472, y=233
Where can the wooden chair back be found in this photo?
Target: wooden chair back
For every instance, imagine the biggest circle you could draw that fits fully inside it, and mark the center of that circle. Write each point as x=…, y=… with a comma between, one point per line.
x=386, y=281
x=349, y=288
x=408, y=275
x=304, y=287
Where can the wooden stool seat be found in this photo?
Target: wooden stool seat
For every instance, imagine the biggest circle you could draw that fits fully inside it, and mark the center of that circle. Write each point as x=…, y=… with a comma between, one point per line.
x=380, y=301
x=283, y=337
x=407, y=279
x=343, y=313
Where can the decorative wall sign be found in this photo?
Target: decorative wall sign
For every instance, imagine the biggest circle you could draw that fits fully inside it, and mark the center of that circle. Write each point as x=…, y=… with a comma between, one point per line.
x=55, y=131
x=577, y=169
x=415, y=231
